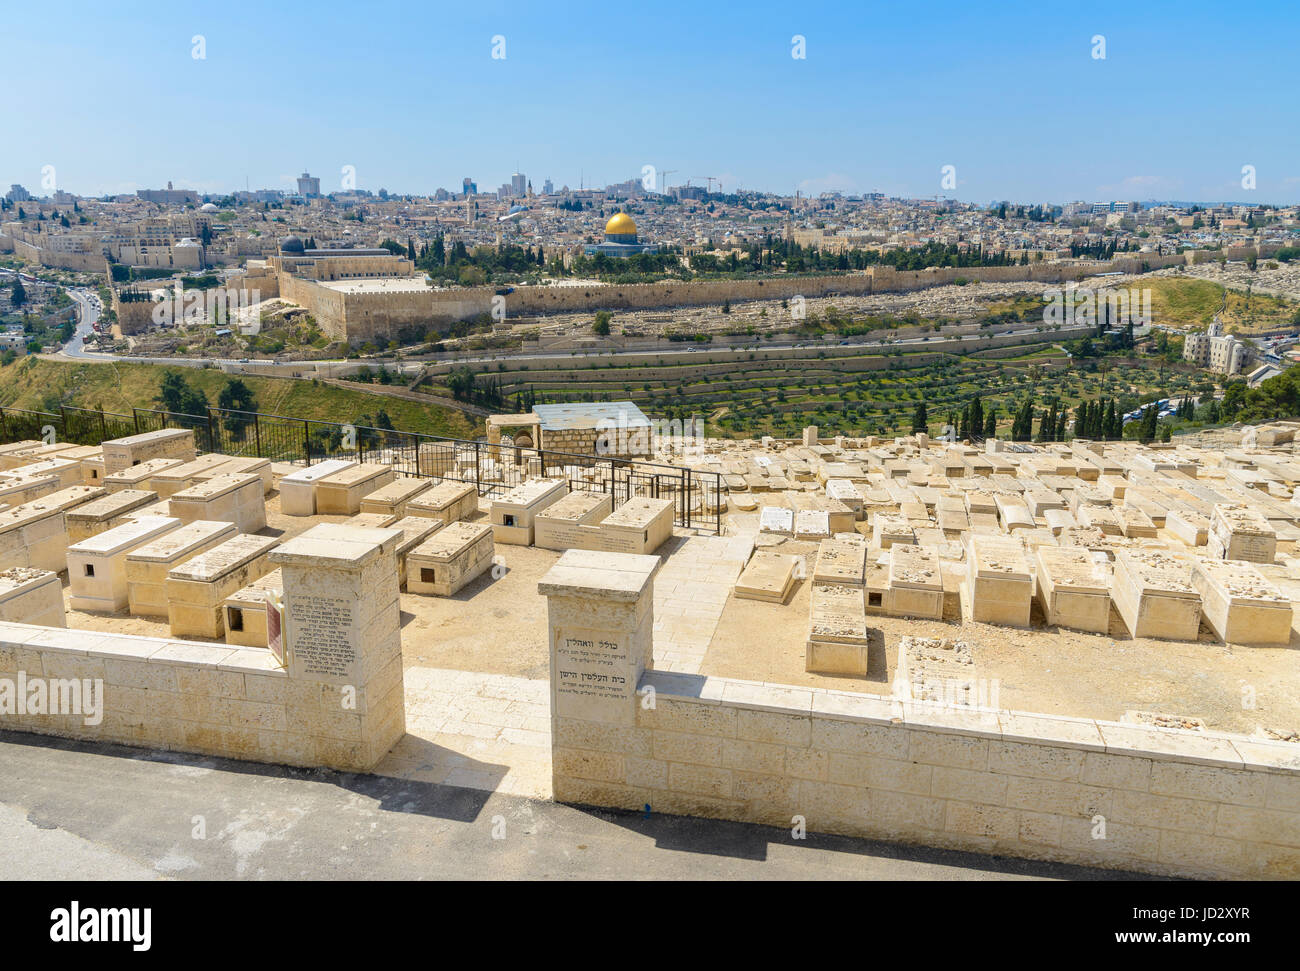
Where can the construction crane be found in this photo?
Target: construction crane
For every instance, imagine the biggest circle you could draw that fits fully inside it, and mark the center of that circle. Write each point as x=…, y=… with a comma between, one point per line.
x=710, y=179
x=664, y=185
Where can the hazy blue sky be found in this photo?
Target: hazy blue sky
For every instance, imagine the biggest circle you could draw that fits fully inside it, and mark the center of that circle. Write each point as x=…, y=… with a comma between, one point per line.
x=1008, y=93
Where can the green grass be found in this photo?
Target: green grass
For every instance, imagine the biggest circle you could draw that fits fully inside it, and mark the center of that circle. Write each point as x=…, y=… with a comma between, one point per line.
x=40, y=385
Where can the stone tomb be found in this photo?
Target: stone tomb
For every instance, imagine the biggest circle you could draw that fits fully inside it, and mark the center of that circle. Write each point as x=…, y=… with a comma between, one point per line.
x=245, y=465
x=999, y=581
x=298, y=489
x=512, y=514
x=34, y=535
x=147, y=566
x=841, y=561
x=245, y=610
x=170, y=481
x=66, y=471
x=1191, y=528
x=639, y=526
x=811, y=524
x=449, y=501
x=768, y=577
x=1240, y=604
x=394, y=497
x=915, y=583
x=776, y=520
x=888, y=529
x=1073, y=588
x=1154, y=595
x=1241, y=533
x=166, y=443
x=97, y=578
x=29, y=596
x=14, y=454
x=138, y=476
x=449, y=559
x=938, y=670
x=838, y=642
x=573, y=522
x=17, y=489
x=94, y=517
x=340, y=494
x=415, y=530
x=197, y=589
x=234, y=497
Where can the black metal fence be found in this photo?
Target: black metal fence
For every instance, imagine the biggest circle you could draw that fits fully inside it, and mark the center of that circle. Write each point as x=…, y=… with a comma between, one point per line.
x=493, y=469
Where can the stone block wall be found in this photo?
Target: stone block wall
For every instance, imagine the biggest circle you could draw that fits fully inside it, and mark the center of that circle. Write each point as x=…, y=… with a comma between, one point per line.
x=1041, y=787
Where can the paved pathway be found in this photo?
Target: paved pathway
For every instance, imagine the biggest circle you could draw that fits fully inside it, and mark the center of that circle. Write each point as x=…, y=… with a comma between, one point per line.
x=691, y=588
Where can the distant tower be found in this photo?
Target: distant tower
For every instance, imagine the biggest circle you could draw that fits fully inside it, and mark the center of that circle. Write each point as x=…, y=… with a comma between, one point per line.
x=308, y=186
x=518, y=185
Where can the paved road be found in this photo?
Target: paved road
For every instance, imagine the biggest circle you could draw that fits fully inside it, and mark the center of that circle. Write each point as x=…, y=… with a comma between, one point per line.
x=94, y=812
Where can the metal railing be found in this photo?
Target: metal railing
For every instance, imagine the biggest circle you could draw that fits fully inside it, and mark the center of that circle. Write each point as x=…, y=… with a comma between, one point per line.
x=493, y=469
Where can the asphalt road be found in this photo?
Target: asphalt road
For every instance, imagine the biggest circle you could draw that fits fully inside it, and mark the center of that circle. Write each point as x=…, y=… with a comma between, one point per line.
x=100, y=812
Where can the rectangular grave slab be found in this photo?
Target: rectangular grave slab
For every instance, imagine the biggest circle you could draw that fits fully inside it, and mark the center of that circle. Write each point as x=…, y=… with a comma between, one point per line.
x=166, y=443
x=769, y=577
x=394, y=497
x=572, y=522
x=915, y=583
x=999, y=581
x=448, y=501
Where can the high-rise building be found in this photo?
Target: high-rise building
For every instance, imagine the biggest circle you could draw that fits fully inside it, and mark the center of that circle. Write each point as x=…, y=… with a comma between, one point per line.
x=548, y=188
x=518, y=185
x=308, y=186
x=470, y=186
x=18, y=194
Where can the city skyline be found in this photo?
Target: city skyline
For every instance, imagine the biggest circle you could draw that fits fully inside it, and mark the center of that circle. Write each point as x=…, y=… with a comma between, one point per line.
x=412, y=103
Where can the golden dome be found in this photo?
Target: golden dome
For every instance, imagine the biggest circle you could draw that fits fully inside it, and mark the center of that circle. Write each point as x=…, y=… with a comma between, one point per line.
x=620, y=224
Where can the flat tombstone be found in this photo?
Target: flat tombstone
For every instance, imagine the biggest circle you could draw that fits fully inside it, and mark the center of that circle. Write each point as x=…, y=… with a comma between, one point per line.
x=560, y=526
x=170, y=481
x=915, y=583
x=777, y=520
x=840, y=561
x=599, y=614
x=768, y=577
x=244, y=465
x=999, y=581
x=415, y=530
x=99, y=515
x=138, y=476
x=512, y=515
x=197, y=588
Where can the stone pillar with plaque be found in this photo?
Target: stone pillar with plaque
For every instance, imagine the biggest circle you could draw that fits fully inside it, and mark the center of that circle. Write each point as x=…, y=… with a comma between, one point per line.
x=341, y=618
x=600, y=610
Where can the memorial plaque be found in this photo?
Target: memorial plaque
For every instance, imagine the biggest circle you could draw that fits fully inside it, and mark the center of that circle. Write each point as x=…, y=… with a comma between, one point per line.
x=594, y=674
x=323, y=637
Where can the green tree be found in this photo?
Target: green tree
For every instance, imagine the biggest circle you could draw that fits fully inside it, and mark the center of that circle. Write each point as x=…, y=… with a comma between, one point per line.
x=177, y=396
x=601, y=326
x=237, y=400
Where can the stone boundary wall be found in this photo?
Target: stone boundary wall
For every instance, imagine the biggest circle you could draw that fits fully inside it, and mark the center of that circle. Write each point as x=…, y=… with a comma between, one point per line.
x=205, y=698
x=1179, y=803
x=371, y=315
